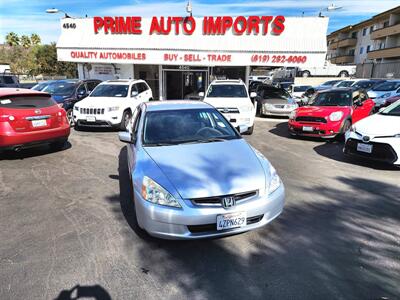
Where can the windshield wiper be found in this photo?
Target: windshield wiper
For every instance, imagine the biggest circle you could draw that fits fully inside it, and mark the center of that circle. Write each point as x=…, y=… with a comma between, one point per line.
x=210, y=140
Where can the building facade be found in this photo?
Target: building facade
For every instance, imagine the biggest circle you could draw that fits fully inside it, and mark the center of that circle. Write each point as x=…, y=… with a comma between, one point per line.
x=180, y=56
x=376, y=40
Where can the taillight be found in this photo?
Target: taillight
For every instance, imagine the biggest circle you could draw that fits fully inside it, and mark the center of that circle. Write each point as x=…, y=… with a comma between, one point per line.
x=6, y=118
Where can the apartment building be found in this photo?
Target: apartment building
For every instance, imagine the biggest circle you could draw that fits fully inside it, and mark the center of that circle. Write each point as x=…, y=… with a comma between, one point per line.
x=374, y=40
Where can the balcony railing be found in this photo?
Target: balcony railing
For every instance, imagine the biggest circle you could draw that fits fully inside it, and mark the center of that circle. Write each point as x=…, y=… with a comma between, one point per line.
x=333, y=46
x=384, y=53
x=348, y=42
x=385, y=31
x=343, y=59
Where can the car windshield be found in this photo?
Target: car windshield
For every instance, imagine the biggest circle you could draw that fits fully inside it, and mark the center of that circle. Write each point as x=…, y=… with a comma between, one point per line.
x=21, y=102
x=330, y=82
x=110, y=90
x=346, y=83
x=332, y=99
x=387, y=86
x=363, y=84
x=172, y=127
x=227, y=91
x=60, y=88
x=392, y=110
x=269, y=93
x=301, y=88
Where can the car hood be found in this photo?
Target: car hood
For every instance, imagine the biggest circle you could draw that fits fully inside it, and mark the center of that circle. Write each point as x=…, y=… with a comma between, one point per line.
x=321, y=111
x=377, y=94
x=379, y=125
x=228, y=102
x=210, y=169
x=95, y=102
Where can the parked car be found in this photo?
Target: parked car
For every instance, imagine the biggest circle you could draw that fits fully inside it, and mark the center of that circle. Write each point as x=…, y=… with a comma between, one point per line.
x=254, y=85
x=30, y=118
x=367, y=84
x=284, y=84
x=383, y=91
x=232, y=99
x=273, y=101
x=327, y=85
x=41, y=85
x=347, y=83
x=68, y=92
x=8, y=80
x=111, y=103
x=391, y=100
x=329, y=69
x=192, y=175
x=259, y=78
x=297, y=90
x=331, y=113
x=377, y=137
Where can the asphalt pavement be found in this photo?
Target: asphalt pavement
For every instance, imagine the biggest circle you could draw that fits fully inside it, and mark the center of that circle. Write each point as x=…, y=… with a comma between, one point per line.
x=68, y=230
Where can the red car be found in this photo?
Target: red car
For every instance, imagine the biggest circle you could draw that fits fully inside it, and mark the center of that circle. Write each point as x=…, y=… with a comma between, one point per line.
x=29, y=118
x=331, y=113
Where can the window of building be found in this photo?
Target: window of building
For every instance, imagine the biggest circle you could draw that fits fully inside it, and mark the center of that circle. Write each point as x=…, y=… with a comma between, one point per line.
x=361, y=50
x=354, y=35
x=369, y=48
x=371, y=29
x=385, y=24
x=351, y=52
x=364, y=31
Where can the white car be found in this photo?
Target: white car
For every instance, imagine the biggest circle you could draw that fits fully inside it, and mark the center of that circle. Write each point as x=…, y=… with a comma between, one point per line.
x=111, y=103
x=297, y=90
x=329, y=69
x=383, y=91
x=232, y=99
x=377, y=137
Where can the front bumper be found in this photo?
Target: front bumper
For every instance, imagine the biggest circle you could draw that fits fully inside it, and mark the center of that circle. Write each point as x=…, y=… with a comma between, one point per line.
x=107, y=119
x=200, y=222
x=385, y=149
x=237, y=119
x=276, y=111
x=322, y=130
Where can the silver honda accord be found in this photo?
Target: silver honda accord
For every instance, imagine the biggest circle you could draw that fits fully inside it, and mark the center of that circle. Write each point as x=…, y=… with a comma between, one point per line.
x=193, y=176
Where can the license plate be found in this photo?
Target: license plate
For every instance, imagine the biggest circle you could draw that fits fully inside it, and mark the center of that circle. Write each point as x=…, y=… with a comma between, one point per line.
x=364, y=148
x=232, y=220
x=308, y=128
x=91, y=119
x=39, y=123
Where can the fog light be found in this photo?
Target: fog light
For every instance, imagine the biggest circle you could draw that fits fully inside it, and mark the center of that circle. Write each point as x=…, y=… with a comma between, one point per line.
x=11, y=118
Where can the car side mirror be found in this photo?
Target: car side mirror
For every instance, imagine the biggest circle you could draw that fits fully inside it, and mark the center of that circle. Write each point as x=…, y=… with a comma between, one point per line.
x=253, y=94
x=242, y=128
x=134, y=93
x=126, y=137
x=201, y=94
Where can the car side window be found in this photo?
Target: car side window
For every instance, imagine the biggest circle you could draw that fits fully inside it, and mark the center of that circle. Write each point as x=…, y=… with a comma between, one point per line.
x=134, y=90
x=91, y=85
x=81, y=89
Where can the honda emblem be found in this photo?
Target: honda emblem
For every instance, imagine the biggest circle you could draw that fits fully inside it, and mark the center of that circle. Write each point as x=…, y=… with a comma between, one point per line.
x=228, y=201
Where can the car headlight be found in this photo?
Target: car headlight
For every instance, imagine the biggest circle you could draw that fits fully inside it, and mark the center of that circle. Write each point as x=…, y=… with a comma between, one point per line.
x=76, y=108
x=292, y=115
x=268, y=106
x=275, y=181
x=113, y=108
x=247, y=108
x=155, y=193
x=352, y=128
x=336, y=116
x=292, y=106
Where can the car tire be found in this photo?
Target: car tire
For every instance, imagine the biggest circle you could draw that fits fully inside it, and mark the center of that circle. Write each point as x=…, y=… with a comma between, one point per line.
x=126, y=116
x=250, y=130
x=305, y=74
x=70, y=117
x=343, y=74
x=59, y=145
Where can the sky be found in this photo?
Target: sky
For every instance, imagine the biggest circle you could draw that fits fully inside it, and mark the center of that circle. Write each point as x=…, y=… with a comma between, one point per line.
x=28, y=16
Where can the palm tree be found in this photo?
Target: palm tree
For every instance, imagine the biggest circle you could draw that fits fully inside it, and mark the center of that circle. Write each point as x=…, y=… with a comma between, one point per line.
x=35, y=39
x=25, y=41
x=12, y=39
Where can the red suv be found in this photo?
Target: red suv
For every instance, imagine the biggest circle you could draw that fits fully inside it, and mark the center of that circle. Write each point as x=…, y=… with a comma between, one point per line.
x=330, y=113
x=29, y=118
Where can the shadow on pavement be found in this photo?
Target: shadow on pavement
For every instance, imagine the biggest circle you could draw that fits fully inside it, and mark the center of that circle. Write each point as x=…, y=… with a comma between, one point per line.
x=342, y=243
x=32, y=152
x=95, y=292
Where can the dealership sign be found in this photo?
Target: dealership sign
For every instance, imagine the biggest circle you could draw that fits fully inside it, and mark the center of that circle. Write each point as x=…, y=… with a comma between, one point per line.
x=207, y=41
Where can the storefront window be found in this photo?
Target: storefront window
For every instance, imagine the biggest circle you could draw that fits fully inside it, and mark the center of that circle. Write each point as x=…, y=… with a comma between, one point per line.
x=149, y=73
x=228, y=73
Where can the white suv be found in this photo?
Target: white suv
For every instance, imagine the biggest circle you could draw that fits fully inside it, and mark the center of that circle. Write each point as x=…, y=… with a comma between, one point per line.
x=111, y=103
x=232, y=99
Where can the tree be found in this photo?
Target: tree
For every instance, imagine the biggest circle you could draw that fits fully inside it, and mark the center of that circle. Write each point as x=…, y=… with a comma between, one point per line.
x=47, y=64
x=12, y=39
x=35, y=39
x=25, y=41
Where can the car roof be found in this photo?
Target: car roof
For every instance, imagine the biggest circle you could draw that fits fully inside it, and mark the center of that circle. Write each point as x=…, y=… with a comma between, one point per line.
x=175, y=105
x=6, y=92
x=122, y=81
x=228, y=81
x=339, y=89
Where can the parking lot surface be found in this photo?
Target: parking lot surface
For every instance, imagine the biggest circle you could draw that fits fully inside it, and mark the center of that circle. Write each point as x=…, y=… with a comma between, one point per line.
x=68, y=229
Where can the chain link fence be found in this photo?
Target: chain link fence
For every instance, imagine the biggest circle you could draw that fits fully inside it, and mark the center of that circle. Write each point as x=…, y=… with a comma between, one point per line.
x=378, y=70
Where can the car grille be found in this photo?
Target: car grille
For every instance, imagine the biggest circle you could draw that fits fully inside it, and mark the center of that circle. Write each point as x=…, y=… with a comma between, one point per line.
x=92, y=111
x=216, y=201
x=311, y=119
x=228, y=110
x=279, y=106
x=380, y=151
x=212, y=228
